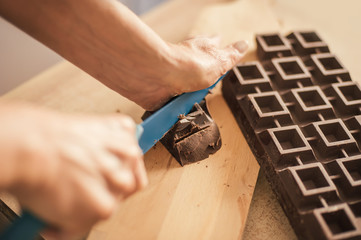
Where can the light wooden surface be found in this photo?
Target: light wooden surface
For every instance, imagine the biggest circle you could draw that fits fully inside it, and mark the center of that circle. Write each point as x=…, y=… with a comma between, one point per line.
x=338, y=24
x=208, y=200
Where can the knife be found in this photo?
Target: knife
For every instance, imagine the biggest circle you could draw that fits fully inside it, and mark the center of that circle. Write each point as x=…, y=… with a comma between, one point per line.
x=150, y=131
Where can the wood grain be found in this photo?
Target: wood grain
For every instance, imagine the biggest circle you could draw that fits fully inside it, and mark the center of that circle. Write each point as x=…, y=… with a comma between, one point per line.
x=208, y=200
x=335, y=21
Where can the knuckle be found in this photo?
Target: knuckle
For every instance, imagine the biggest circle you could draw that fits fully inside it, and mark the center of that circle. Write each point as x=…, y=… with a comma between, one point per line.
x=128, y=122
x=105, y=210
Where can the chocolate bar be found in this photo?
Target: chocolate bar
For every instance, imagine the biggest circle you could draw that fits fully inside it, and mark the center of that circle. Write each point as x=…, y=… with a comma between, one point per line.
x=300, y=113
x=194, y=137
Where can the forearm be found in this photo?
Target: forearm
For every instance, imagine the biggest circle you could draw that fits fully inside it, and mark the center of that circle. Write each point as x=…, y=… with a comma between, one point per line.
x=109, y=42
x=84, y=31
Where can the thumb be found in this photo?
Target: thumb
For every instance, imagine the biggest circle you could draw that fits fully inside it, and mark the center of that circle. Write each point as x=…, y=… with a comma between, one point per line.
x=241, y=46
x=234, y=54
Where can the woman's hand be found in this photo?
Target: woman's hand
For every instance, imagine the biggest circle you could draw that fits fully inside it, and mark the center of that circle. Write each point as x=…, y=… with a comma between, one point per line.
x=68, y=170
x=191, y=65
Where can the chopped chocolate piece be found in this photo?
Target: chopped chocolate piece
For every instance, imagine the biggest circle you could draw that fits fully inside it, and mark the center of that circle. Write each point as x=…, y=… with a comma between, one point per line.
x=194, y=137
x=301, y=116
x=307, y=42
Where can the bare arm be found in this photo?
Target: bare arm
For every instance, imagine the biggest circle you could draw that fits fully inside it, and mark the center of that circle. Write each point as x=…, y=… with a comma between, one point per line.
x=109, y=42
x=69, y=170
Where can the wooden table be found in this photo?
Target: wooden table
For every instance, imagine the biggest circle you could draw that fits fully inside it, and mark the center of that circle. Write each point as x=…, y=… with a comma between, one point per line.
x=337, y=23
x=209, y=200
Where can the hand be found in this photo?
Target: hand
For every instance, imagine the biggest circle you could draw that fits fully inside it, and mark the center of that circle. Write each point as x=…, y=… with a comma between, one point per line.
x=202, y=61
x=69, y=170
x=191, y=65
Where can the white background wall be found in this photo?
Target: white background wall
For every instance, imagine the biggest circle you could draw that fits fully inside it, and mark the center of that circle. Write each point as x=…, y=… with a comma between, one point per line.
x=22, y=57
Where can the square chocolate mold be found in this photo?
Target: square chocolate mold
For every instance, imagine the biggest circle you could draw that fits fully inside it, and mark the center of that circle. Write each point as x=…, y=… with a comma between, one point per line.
x=248, y=78
x=311, y=98
x=338, y=222
x=307, y=42
x=302, y=132
x=311, y=186
x=351, y=92
x=290, y=71
x=251, y=74
x=309, y=104
x=356, y=208
x=268, y=104
x=312, y=179
x=272, y=45
x=348, y=180
x=352, y=168
x=328, y=69
x=288, y=139
x=347, y=98
x=334, y=132
x=310, y=39
x=332, y=139
x=265, y=110
x=287, y=146
x=354, y=125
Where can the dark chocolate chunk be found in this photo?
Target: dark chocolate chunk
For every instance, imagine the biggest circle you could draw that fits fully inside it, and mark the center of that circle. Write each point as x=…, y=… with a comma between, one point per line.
x=300, y=113
x=194, y=137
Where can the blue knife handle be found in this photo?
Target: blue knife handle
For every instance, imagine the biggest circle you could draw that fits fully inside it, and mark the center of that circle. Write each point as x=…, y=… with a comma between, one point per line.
x=28, y=226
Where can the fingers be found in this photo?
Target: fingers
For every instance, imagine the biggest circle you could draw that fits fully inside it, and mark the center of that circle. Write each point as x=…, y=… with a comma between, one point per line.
x=205, y=61
x=141, y=175
x=89, y=162
x=123, y=164
x=233, y=54
x=130, y=175
x=119, y=176
x=241, y=46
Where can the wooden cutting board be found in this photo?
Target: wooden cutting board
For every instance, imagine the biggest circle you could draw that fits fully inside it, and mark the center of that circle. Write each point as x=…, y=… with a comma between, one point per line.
x=206, y=200
x=337, y=22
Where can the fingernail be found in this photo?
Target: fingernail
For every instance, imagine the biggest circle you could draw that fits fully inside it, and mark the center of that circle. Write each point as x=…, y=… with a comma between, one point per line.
x=241, y=46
